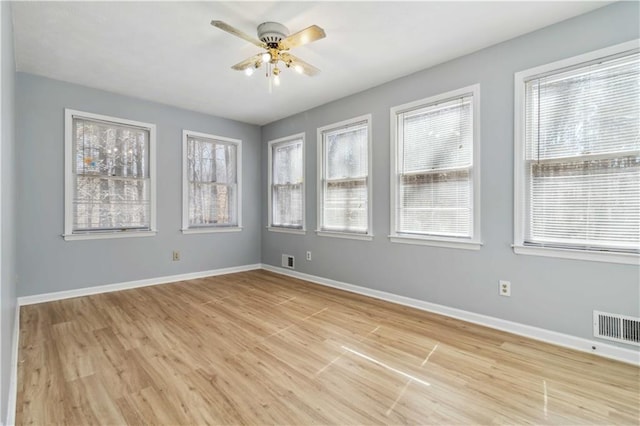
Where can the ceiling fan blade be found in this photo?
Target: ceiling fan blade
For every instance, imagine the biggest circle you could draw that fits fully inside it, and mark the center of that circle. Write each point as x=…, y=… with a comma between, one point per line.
x=295, y=62
x=248, y=63
x=236, y=32
x=303, y=37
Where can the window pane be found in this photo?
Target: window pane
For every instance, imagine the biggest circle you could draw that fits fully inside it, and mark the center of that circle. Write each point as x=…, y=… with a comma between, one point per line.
x=287, y=163
x=211, y=161
x=212, y=173
x=438, y=137
x=287, y=205
x=200, y=160
x=345, y=206
x=110, y=150
x=111, y=203
x=436, y=204
x=346, y=152
x=586, y=203
x=589, y=110
x=212, y=204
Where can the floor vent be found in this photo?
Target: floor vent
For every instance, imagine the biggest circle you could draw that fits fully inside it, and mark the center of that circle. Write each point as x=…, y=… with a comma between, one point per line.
x=619, y=328
x=288, y=261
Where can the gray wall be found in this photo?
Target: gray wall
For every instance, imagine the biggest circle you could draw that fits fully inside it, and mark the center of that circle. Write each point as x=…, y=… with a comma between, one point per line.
x=47, y=263
x=8, y=205
x=555, y=294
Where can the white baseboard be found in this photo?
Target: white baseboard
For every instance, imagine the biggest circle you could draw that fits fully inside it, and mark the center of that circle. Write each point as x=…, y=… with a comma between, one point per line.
x=87, y=291
x=13, y=378
x=584, y=345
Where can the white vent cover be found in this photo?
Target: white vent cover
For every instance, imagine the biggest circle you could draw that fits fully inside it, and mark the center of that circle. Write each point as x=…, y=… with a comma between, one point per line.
x=619, y=328
x=288, y=261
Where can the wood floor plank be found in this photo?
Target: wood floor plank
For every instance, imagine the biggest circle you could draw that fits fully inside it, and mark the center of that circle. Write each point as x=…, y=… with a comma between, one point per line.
x=260, y=348
x=76, y=349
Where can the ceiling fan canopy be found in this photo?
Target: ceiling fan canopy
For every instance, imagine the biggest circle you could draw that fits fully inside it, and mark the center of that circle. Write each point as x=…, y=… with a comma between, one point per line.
x=271, y=33
x=274, y=38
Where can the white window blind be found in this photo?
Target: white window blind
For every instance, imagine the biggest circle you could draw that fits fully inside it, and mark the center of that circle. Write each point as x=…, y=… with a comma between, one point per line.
x=287, y=192
x=212, y=174
x=111, y=180
x=345, y=178
x=435, y=169
x=582, y=156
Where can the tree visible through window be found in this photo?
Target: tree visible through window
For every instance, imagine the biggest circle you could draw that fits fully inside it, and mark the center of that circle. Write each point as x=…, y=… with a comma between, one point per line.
x=286, y=171
x=211, y=182
x=109, y=186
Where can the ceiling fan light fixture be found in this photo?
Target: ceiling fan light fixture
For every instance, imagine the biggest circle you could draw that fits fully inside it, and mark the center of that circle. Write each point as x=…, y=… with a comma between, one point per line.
x=275, y=42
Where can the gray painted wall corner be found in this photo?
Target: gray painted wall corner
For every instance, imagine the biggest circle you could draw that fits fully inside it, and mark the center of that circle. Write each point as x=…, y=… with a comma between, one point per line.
x=8, y=277
x=549, y=293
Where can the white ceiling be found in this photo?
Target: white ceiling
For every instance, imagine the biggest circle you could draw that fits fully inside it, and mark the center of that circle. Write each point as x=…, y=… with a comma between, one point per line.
x=168, y=52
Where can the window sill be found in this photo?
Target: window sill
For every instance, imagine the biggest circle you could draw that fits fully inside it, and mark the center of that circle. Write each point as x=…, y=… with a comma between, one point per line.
x=611, y=257
x=106, y=236
x=347, y=235
x=211, y=230
x=436, y=242
x=286, y=230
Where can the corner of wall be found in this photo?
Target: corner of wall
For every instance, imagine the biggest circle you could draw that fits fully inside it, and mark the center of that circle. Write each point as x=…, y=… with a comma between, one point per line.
x=8, y=281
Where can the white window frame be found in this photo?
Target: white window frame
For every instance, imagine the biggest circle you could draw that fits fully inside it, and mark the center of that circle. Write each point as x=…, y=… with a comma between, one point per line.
x=322, y=157
x=270, y=226
x=69, y=189
x=186, y=229
x=473, y=243
x=520, y=192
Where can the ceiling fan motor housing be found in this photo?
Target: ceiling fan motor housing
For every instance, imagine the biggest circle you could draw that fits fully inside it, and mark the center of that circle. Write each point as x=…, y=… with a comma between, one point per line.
x=271, y=33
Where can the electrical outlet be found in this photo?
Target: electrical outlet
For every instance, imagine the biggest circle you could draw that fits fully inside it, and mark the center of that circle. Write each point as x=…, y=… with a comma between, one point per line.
x=176, y=256
x=505, y=288
x=309, y=256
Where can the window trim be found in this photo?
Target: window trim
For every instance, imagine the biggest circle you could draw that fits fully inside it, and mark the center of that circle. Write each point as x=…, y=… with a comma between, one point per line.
x=270, y=145
x=69, y=189
x=368, y=236
x=185, y=185
x=519, y=196
x=473, y=243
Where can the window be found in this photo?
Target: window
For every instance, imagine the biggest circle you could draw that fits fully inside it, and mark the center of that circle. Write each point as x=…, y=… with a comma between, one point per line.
x=577, y=164
x=109, y=177
x=344, y=186
x=435, y=170
x=211, y=192
x=286, y=184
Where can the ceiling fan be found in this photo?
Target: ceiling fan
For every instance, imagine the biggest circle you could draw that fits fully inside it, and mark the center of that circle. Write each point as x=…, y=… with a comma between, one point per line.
x=274, y=38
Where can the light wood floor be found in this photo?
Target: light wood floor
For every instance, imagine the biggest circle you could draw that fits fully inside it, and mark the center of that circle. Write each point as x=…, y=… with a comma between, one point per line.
x=260, y=348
